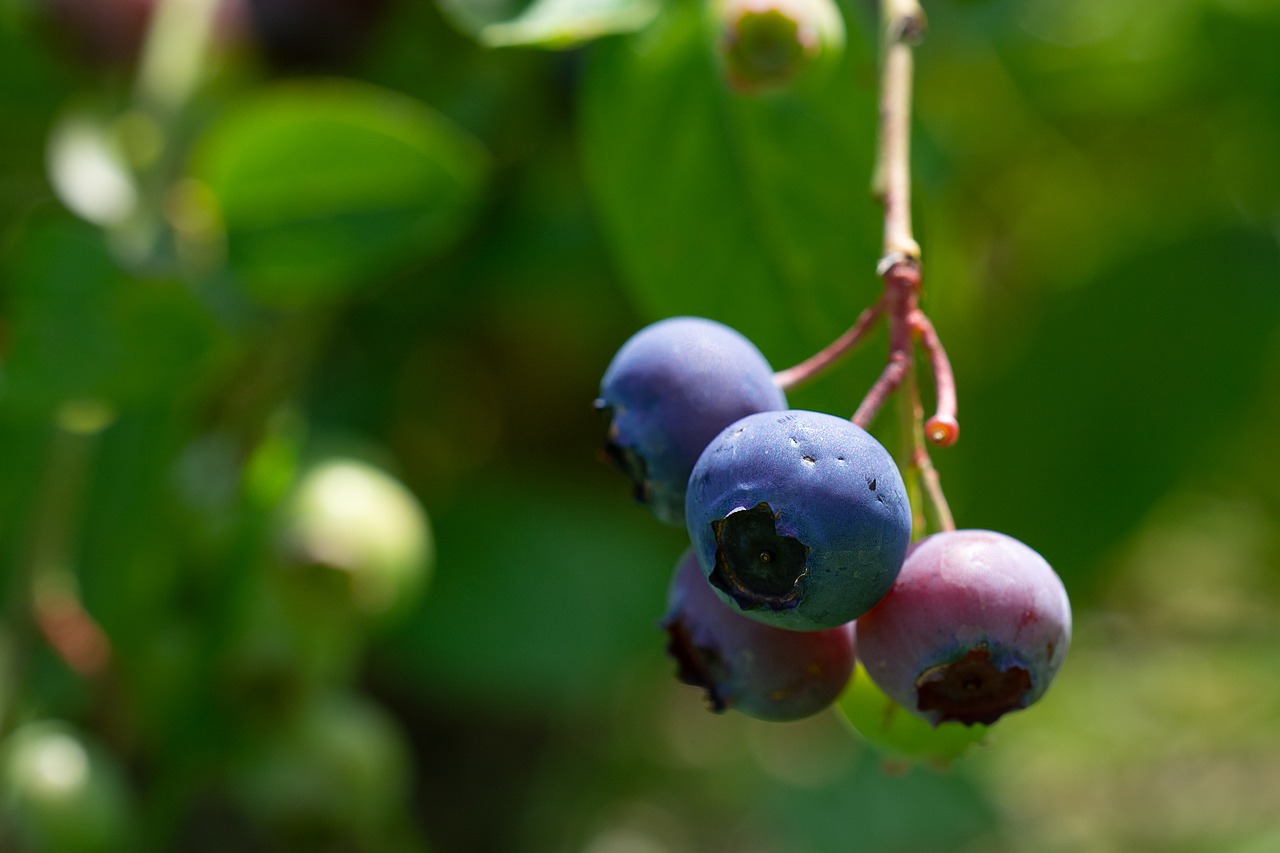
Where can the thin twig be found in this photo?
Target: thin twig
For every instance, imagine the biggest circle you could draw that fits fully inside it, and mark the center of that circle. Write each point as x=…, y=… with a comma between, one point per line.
x=67, y=627
x=891, y=183
x=900, y=286
x=904, y=24
x=942, y=429
x=815, y=364
x=921, y=463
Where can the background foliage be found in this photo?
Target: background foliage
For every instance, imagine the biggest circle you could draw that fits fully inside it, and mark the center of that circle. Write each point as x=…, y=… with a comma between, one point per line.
x=410, y=234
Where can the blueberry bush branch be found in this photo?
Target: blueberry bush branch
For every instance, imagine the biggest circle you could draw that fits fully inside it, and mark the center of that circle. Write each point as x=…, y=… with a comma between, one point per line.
x=801, y=522
x=899, y=267
x=815, y=364
x=904, y=24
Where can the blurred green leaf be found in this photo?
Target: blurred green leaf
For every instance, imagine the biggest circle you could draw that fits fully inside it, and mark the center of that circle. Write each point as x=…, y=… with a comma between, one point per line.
x=1122, y=388
x=542, y=599
x=323, y=185
x=754, y=210
x=472, y=16
x=82, y=328
x=565, y=23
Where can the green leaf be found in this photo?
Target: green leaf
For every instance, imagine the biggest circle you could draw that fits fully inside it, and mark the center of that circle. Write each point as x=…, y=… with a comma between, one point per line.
x=754, y=210
x=325, y=185
x=1164, y=349
x=892, y=729
x=84, y=330
x=552, y=24
x=544, y=597
x=565, y=23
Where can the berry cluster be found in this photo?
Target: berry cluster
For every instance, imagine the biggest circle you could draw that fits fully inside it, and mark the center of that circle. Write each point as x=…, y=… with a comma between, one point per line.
x=800, y=524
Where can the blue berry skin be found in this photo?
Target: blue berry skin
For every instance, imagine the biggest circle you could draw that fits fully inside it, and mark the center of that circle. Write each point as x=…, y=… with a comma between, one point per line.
x=668, y=391
x=977, y=625
x=799, y=519
x=745, y=666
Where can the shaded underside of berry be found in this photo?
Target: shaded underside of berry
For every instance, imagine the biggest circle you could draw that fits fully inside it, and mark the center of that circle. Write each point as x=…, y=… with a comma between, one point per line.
x=746, y=666
x=695, y=665
x=624, y=459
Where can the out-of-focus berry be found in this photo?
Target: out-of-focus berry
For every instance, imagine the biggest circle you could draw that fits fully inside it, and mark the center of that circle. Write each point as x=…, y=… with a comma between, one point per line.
x=340, y=770
x=355, y=529
x=61, y=793
x=771, y=44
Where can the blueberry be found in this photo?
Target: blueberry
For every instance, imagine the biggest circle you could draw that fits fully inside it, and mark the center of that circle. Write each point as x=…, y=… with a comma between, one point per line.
x=799, y=519
x=668, y=391
x=976, y=626
x=761, y=671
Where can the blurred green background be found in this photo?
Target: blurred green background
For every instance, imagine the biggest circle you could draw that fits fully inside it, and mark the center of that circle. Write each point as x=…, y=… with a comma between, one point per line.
x=240, y=239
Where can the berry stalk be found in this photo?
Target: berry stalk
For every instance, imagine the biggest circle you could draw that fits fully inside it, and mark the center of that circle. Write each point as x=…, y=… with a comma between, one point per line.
x=899, y=267
x=904, y=25
x=45, y=600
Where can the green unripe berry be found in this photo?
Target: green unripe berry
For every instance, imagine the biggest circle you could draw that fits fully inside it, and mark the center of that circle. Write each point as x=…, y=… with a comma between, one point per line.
x=354, y=531
x=340, y=770
x=60, y=793
x=768, y=45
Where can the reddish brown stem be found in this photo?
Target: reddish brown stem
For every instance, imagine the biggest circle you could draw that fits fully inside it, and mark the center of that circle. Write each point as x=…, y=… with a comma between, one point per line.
x=815, y=364
x=71, y=631
x=901, y=289
x=923, y=466
x=890, y=379
x=942, y=429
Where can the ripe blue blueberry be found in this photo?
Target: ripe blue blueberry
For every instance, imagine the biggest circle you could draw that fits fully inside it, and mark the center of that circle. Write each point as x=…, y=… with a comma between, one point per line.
x=756, y=669
x=799, y=519
x=668, y=391
x=976, y=626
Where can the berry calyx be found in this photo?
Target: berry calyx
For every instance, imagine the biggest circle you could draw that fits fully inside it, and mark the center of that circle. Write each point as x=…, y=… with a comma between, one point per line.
x=768, y=44
x=756, y=565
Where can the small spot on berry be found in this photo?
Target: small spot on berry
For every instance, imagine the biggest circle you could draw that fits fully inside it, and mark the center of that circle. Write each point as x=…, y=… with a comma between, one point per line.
x=810, y=460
